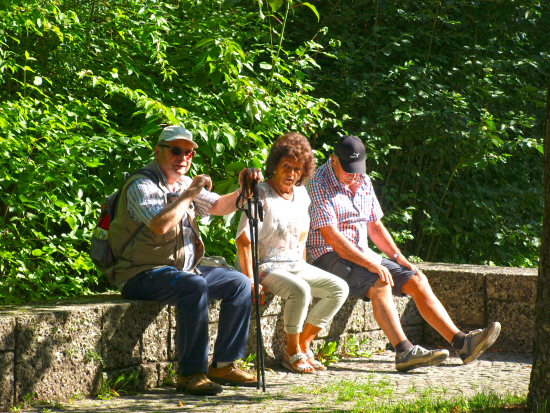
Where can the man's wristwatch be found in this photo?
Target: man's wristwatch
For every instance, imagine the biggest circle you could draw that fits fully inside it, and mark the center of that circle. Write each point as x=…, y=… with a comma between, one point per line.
x=397, y=254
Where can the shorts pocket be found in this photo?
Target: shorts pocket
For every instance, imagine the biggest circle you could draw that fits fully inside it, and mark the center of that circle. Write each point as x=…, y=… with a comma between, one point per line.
x=341, y=270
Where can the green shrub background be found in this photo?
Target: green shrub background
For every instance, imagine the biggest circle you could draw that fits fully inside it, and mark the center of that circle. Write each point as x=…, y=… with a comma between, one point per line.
x=448, y=97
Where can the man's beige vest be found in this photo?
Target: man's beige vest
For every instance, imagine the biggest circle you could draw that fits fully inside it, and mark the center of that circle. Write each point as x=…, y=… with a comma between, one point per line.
x=148, y=250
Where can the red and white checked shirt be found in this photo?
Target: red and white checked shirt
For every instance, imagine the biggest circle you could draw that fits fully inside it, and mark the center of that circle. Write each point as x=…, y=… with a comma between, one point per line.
x=334, y=204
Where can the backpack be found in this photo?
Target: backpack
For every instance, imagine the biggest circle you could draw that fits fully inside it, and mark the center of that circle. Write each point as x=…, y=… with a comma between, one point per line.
x=100, y=250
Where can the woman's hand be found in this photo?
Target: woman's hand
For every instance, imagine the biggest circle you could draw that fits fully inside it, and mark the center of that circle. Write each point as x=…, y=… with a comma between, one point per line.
x=263, y=292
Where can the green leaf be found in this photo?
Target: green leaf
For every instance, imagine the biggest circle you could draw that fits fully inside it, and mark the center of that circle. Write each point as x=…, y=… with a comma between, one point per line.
x=37, y=253
x=203, y=42
x=234, y=167
x=275, y=4
x=312, y=7
x=150, y=129
x=71, y=221
x=231, y=141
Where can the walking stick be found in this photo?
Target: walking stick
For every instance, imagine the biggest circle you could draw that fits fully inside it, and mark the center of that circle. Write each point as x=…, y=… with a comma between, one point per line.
x=254, y=211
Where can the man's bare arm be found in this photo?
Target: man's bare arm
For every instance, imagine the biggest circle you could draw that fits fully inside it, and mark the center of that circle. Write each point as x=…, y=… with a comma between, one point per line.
x=172, y=214
x=384, y=241
x=346, y=250
x=226, y=204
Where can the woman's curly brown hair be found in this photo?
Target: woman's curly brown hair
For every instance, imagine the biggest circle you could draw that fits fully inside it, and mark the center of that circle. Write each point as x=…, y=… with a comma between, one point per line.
x=294, y=145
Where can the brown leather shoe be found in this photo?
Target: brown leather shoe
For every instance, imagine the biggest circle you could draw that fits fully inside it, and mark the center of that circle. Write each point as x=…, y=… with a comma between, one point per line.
x=199, y=384
x=232, y=375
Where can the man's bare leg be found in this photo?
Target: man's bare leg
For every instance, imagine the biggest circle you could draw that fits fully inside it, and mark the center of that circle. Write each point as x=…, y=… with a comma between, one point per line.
x=385, y=313
x=407, y=355
x=429, y=306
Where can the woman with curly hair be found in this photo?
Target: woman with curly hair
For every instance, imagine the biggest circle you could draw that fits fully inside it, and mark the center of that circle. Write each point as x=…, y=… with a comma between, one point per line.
x=281, y=252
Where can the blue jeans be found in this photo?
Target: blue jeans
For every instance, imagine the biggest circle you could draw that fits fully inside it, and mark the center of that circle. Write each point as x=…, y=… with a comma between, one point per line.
x=190, y=294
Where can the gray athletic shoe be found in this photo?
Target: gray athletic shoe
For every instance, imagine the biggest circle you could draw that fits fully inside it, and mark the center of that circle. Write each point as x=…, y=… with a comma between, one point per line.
x=419, y=357
x=478, y=341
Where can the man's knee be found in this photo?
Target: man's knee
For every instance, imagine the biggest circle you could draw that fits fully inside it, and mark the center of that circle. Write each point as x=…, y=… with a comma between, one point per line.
x=379, y=291
x=237, y=285
x=417, y=286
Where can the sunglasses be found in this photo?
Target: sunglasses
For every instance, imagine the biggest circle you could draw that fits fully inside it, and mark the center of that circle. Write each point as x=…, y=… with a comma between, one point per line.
x=177, y=151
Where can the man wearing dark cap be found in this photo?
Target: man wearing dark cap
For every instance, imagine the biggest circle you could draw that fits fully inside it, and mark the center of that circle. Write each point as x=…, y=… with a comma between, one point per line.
x=344, y=213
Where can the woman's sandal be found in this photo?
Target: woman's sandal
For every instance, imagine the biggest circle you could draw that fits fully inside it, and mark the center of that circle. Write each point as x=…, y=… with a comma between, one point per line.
x=317, y=365
x=301, y=369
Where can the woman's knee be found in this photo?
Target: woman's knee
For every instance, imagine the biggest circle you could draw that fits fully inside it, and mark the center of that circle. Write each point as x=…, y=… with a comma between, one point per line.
x=341, y=290
x=300, y=293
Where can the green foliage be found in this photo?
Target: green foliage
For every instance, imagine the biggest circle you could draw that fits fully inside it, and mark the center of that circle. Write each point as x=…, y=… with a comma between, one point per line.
x=327, y=353
x=112, y=387
x=246, y=364
x=85, y=88
x=353, y=348
x=448, y=98
x=171, y=376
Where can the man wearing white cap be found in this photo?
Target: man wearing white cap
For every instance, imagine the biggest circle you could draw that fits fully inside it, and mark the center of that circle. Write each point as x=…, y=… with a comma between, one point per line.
x=161, y=262
x=344, y=214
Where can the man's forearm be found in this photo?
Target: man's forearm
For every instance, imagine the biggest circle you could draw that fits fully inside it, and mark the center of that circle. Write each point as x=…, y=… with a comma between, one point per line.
x=172, y=214
x=380, y=236
x=345, y=249
x=225, y=204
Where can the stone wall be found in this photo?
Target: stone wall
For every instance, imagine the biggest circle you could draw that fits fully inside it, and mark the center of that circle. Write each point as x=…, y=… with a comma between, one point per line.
x=62, y=348
x=475, y=295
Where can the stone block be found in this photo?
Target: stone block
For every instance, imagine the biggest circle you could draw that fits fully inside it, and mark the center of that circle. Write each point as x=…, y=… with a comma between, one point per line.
x=212, y=335
x=511, y=287
x=155, y=339
x=124, y=325
x=58, y=353
x=6, y=380
x=518, y=325
x=273, y=305
x=274, y=339
x=415, y=333
x=349, y=319
x=407, y=311
x=462, y=293
x=214, y=311
x=172, y=348
x=7, y=332
x=431, y=338
x=148, y=376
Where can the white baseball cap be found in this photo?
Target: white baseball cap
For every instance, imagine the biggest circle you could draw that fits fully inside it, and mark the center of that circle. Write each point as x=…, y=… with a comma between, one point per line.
x=173, y=133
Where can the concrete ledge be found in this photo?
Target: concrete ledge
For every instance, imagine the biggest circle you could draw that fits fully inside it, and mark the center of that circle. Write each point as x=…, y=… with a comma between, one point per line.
x=61, y=348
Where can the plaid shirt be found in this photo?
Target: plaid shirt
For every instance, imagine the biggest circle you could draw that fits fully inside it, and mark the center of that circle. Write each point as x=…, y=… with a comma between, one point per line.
x=332, y=204
x=145, y=200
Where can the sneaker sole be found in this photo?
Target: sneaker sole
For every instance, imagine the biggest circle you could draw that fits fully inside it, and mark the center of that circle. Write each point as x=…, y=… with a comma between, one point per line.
x=229, y=382
x=205, y=392
x=438, y=358
x=492, y=336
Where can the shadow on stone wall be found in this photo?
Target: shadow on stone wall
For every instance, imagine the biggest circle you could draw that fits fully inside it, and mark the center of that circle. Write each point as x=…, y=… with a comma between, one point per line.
x=7, y=346
x=56, y=353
